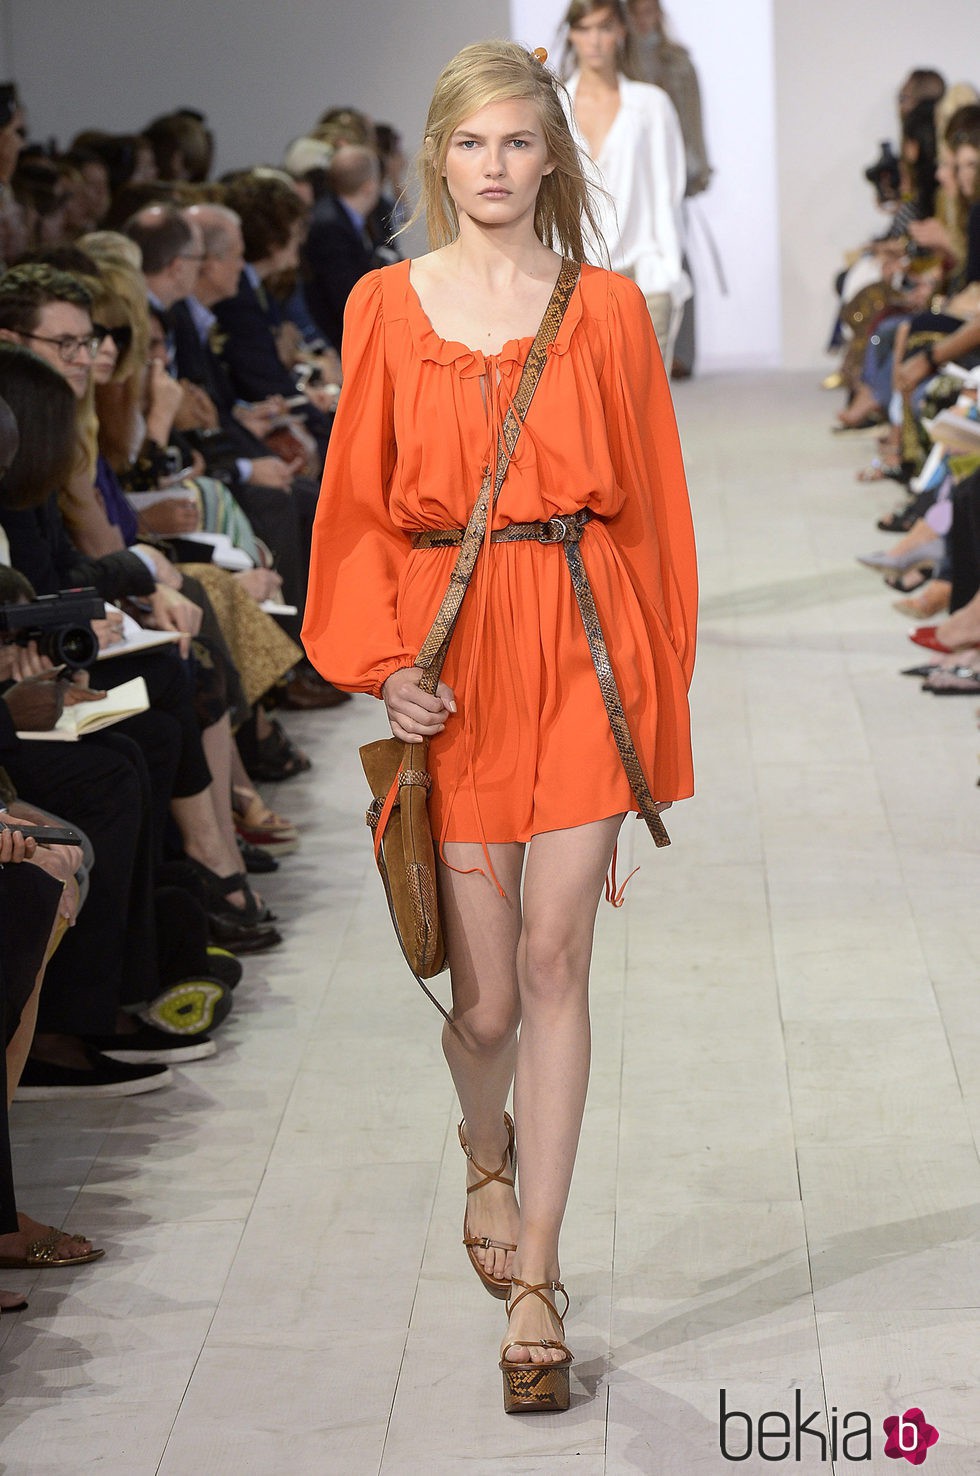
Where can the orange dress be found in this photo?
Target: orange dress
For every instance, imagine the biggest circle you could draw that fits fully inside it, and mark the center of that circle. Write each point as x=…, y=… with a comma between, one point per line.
x=530, y=748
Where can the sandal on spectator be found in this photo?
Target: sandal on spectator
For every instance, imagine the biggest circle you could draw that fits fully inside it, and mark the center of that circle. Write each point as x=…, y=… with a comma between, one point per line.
x=41, y=1254
x=12, y=1302
x=276, y=757
x=257, y=860
x=217, y=890
x=953, y=681
x=257, y=825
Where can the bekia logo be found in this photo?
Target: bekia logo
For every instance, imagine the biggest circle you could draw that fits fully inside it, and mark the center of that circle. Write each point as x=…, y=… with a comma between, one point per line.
x=909, y=1435
x=777, y=1436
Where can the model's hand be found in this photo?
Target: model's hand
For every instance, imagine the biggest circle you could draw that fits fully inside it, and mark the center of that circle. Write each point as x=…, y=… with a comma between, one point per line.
x=414, y=715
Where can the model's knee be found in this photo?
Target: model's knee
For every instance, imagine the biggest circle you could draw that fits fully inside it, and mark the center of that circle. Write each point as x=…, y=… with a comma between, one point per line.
x=486, y=1028
x=553, y=966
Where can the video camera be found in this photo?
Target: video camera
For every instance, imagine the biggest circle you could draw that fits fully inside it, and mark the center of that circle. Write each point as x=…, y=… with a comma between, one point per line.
x=60, y=624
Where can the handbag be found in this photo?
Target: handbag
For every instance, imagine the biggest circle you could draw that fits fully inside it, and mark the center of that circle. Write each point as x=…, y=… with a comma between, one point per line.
x=398, y=815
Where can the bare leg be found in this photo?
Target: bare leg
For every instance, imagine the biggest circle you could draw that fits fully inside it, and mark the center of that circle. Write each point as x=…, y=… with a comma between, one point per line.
x=20, y=1042
x=482, y=932
x=203, y=838
x=963, y=626
x=562, y=886
x=29, y=1230
x=218, y=743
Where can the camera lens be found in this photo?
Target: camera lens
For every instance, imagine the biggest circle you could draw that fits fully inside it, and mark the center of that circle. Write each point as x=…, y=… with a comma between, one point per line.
x=73, y=646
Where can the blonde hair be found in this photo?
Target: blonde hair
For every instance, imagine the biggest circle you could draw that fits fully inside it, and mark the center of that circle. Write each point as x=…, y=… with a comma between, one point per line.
x=118, y=301
x=500, y=71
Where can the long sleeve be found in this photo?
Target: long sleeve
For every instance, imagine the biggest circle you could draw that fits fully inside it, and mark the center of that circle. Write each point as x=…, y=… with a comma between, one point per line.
x=40, y=550
x=351, y=631
x=653, y=532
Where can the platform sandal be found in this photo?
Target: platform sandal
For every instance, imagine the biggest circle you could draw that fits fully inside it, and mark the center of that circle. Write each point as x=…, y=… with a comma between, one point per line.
x=531, y=1388
x=496, y=1286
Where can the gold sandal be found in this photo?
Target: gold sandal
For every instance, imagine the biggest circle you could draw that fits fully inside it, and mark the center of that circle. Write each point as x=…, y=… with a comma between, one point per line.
x=496, y=1286
x=537, y=1387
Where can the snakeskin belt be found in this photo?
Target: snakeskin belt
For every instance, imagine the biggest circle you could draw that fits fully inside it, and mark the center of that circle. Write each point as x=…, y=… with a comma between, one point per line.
x=566, y=529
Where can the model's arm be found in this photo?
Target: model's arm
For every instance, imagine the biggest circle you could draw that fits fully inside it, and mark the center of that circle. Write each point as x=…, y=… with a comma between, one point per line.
x=351, y=631
x=653, y=532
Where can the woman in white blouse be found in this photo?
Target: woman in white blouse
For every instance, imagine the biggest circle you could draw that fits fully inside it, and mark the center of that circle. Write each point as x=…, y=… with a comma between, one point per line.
x=632, y=133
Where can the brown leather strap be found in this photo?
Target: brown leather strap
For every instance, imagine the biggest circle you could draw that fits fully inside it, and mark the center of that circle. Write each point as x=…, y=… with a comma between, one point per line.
x=555, y=530
x=434, y=647
x=566, y=528
x=610, y=694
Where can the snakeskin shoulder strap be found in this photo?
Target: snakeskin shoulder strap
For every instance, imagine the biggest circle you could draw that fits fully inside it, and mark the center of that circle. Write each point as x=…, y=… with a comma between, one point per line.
x=436, y=644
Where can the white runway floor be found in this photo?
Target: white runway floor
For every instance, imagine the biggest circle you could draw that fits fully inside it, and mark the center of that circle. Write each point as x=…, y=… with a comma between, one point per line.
x=778, y=1182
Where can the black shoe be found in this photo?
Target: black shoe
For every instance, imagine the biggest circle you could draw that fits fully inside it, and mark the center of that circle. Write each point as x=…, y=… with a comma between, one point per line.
x=189, y=1007
x=257, y=861
x=224, y=966
x=239, y=938
x=42, y=1081
x=147, y=1044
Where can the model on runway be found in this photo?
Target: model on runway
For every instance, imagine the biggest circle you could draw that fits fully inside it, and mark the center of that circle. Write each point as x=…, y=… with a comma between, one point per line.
x=529, y=790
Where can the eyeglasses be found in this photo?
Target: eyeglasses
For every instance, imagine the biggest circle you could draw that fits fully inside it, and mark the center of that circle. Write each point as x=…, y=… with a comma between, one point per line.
x=122, y=336
x=69, y=347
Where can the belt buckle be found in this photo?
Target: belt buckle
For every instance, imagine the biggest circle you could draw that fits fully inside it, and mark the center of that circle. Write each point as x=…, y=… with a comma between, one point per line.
x=559, y=537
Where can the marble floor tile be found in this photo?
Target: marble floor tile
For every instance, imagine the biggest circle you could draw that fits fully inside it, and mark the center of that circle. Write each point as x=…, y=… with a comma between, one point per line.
x=777, y=1186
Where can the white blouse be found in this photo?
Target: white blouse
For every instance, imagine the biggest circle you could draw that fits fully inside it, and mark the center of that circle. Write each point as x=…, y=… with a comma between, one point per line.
x=642, y=167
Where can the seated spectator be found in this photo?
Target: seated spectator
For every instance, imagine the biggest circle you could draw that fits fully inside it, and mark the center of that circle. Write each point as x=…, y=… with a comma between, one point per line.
x=339, y=249
x=13, y=136
x=265, y=220
x=182, y=144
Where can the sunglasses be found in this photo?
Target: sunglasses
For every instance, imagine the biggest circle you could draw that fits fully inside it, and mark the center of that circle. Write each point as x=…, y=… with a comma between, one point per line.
x=122, y=337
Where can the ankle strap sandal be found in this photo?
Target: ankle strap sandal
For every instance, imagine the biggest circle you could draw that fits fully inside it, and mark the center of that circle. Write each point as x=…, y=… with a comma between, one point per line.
x=497, y=1286
x=537, y=1387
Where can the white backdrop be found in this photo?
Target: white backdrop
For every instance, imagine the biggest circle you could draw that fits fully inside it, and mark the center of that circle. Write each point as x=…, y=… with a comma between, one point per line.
x=742, y=329
x=797, y=97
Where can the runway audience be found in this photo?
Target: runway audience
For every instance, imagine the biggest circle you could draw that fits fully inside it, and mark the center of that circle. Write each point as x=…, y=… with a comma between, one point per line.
x=911, y=330
x=169, y=371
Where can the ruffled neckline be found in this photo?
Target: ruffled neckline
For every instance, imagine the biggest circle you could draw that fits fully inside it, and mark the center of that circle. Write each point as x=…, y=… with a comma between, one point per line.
x=468, y=361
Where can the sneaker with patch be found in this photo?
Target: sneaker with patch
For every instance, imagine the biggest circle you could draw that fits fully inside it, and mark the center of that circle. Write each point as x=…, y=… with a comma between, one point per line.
x=189, y=1007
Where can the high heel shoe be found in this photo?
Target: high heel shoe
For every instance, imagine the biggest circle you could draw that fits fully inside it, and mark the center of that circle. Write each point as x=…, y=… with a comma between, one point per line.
x=536, y=1387
x=930, y=552
x=496, y=1286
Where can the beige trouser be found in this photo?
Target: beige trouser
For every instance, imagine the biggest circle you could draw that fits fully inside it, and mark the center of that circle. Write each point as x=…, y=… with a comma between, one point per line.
x=665, y=318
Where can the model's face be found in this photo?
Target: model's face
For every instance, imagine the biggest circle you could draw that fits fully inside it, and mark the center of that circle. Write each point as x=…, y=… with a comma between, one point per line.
x=64, y=329
x=966, y=162
x=496, y=161
x=597, y=40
